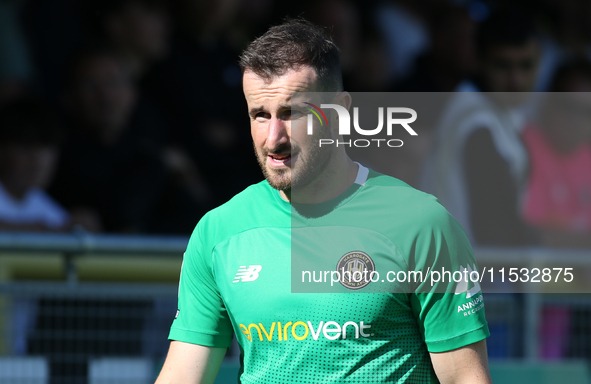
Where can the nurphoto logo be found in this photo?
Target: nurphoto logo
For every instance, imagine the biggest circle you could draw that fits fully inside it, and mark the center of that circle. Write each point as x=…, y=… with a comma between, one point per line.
x=395, y=116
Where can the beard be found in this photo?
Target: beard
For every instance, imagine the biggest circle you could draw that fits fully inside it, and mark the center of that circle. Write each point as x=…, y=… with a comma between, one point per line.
x=304, y=167
x=280, y=179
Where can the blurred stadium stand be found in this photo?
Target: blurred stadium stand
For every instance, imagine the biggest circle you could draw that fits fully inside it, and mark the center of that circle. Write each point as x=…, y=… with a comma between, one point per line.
x=80, y=308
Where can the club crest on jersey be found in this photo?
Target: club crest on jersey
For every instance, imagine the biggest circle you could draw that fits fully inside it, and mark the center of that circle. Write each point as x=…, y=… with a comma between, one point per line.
x=355, y=269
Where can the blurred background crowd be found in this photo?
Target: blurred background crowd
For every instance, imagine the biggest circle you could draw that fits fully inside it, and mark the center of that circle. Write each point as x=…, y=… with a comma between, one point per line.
x=127, y=116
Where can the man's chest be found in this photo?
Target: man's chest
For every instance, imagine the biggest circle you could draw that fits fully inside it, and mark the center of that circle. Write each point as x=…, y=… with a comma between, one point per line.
x=263, y=280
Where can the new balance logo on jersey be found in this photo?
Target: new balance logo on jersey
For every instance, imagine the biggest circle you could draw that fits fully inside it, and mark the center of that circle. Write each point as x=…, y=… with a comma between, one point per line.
x=247, y=274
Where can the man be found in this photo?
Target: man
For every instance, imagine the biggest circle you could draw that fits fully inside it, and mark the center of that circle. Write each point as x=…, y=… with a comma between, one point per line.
x=30, y=140
x=139, y=30
x=479, y=164
x=334, y=338
x=30, y=144
x=557, y=199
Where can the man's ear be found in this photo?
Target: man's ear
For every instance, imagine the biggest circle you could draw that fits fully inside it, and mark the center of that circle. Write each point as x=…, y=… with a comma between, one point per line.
x=344, y=99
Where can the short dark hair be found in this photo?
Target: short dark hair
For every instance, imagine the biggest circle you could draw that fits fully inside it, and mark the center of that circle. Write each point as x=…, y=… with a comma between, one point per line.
x=291, y=45
x=505, y=27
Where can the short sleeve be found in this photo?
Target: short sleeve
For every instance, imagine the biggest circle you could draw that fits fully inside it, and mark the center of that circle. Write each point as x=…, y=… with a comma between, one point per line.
x=451, y=315
x=201, y=317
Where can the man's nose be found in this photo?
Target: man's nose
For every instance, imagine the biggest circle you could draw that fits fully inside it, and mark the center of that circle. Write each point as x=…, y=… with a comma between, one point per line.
x=278, y=134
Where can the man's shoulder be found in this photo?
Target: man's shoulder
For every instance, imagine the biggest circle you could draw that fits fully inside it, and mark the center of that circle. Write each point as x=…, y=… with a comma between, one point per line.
x=259, y=195
x=256, y=206
x=405, y=201
x=407, y=215
x=393, y=190
x=258, y=192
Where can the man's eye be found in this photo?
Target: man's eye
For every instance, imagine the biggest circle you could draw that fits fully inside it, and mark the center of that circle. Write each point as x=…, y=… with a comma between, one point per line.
x=262, y=116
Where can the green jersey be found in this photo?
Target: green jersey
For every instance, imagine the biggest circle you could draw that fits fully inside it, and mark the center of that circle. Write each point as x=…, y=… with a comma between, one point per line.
x=244, y=272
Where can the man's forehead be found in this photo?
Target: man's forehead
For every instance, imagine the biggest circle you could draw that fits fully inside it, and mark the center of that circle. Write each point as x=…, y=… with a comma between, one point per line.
x=303, y=78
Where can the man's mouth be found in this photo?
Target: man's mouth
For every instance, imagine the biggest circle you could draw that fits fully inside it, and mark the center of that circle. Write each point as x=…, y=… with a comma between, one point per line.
x=279, y=160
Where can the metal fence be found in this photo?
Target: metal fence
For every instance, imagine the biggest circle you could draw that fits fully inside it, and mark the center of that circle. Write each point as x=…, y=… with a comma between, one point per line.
x=78, y=308
x=84, y=332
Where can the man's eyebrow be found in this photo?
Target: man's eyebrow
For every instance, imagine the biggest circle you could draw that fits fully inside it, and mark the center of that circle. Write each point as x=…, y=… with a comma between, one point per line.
x=282, y=107
x=254, y=111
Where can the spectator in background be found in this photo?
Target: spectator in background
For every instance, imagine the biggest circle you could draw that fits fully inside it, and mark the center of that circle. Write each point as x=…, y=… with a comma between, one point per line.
x=557, y=198
x=371, y=72
x=343, y=19
x=449, y=60
x=558, y=195
x=404, y=24
x=365, y=62
x=30, y=140
x=479, y=165
x=567, y=35
x=115, y=162
x=451, y=57
x=199, y=88
x=139, y=30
